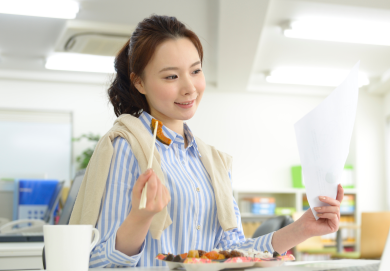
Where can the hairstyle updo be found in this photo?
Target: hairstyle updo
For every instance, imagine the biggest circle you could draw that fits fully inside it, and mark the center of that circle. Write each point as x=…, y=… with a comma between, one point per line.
x=136, y=54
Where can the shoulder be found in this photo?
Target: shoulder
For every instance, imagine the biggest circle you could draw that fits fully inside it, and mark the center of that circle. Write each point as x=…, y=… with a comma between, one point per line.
x=119, y=140
x=121, y=145
x=211, y=150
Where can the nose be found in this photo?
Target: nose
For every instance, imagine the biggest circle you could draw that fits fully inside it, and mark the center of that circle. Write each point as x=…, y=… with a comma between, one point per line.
x=187, y=86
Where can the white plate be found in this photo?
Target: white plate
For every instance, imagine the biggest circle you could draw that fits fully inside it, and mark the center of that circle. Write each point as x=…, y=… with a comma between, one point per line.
x=269, y=263
x=208, y=266
x=173, y=265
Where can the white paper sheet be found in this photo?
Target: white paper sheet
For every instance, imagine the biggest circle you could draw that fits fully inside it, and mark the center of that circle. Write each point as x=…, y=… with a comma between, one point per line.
x=323, y=137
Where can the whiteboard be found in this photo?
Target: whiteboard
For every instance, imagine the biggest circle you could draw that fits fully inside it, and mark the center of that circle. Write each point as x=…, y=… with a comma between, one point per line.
x=35, y=144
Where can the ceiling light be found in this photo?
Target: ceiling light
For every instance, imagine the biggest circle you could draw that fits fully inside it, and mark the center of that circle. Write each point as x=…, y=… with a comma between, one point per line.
x=80, y=62
x=352, y=31
x=312, y=76
x=62, y=9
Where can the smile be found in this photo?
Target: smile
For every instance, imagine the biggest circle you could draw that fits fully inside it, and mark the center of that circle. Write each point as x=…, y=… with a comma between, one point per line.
x=186, y=103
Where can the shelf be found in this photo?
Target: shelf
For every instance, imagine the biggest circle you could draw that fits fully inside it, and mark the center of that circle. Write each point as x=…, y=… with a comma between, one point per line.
x=249, y=215
x=274, y=191
x=352, y=213
x=286, y=191
x=345, y=244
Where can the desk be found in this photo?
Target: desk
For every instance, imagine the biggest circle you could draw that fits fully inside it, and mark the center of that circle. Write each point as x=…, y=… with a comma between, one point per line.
x=14, y=256
x=293, y=266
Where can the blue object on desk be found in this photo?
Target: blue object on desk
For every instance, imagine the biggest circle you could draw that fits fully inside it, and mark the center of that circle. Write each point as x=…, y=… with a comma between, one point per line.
x=32, y=198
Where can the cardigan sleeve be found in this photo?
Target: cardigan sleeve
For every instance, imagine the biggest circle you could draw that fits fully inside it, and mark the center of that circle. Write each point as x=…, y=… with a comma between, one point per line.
x=115, y=207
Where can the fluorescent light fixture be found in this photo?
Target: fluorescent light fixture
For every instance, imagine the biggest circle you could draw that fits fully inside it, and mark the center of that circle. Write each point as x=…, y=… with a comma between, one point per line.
x=312, y=76
x=62, y=9
x=352, y=31
x=80, y=62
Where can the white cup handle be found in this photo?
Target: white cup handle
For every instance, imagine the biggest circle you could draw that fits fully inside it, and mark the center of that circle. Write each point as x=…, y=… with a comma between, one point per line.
x=96, y=238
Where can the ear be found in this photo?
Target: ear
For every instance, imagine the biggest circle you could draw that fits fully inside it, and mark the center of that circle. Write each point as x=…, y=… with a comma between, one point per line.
x=137, y=82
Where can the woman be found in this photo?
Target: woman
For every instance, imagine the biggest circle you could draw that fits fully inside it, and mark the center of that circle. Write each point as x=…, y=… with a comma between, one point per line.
x=189, y=202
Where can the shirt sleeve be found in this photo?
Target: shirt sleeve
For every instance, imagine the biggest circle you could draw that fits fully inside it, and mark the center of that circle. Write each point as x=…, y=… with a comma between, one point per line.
x=115, y=206
x=235, y=239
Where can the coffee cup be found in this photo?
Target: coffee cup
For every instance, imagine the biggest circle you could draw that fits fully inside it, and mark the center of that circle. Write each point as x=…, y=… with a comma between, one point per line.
x=67, y=247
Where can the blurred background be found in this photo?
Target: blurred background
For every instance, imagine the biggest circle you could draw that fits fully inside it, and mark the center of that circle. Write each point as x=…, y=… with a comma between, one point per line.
x=267, y=63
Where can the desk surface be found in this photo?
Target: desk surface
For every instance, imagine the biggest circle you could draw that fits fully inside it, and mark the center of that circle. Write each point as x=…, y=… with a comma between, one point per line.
x=21, y=249
x=33, y=251
x=294, y=266
x=14, y=256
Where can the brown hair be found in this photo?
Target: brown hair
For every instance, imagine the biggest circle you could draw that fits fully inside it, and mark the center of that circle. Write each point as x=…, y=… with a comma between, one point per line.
x=134, y=57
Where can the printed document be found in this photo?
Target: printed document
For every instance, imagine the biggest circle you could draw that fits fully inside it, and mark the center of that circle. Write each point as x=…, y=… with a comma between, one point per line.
x=323, y=138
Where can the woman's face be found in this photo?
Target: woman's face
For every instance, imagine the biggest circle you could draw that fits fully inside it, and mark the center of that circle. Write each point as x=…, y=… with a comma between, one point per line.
x=173, y=81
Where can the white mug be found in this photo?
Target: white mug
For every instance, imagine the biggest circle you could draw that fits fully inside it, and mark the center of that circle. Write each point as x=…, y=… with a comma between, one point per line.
x=67, y=247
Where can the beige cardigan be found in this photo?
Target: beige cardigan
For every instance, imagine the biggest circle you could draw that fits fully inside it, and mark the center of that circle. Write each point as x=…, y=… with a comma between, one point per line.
x=217, y=164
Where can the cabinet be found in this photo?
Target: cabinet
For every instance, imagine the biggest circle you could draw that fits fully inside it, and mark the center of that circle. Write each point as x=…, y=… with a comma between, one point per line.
x=294, y=198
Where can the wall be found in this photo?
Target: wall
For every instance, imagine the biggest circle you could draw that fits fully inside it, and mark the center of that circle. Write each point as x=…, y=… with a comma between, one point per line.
x=370, y=154
x=256, y=129
x=387, y=104
x=264, y=127
x=387, y=143
x=88, y=102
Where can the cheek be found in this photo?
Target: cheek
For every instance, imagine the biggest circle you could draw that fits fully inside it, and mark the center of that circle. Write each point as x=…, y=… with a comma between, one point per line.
x=200, y=84
x=161, y=92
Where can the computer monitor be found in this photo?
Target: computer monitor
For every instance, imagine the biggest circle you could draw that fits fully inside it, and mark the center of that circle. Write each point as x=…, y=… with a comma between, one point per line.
x=74, y=190
x=385, y=259
x=49, y=214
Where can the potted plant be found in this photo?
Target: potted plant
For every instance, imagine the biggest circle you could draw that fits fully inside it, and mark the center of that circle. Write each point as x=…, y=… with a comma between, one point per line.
x=85, y=156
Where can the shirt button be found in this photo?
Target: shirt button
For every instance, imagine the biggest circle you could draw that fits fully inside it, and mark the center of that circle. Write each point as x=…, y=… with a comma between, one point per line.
x=198, y=227
x=198, y=189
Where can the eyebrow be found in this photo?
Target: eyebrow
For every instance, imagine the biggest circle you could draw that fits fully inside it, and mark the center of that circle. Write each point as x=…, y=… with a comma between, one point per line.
x=175, y=68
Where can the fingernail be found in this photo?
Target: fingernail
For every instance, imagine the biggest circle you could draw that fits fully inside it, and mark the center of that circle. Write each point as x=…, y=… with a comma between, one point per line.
x=322, y=198
x=319, y=214
x=148, y=171
x=317, y=208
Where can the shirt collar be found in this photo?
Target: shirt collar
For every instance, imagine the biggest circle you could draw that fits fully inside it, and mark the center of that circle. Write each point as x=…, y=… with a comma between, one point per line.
x=146, y=119
x=190, y=138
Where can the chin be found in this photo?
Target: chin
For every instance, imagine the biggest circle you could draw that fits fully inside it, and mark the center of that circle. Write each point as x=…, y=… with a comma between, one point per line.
x=185, y=116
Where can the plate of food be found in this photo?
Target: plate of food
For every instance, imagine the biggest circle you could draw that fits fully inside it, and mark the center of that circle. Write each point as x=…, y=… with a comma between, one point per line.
x=218, y=259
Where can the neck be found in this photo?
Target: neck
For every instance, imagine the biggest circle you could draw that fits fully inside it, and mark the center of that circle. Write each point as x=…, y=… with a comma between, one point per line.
x=175, y=125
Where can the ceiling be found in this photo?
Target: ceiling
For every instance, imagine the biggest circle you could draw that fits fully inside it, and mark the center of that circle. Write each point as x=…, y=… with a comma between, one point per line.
x=275, y=50
x=240, y=38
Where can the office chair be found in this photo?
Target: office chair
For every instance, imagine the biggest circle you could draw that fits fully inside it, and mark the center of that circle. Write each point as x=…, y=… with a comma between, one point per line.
x=272, y=224
x=68, y=206
x=373, y=235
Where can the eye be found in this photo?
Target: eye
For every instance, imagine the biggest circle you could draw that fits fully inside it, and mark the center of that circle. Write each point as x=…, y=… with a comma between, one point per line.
x=197, y=71
x=171, y=77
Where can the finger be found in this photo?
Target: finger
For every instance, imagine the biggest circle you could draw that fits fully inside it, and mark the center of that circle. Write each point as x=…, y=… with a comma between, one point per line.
x=328, y=209
x=141, y=181
x=329, y=200
x=165, y=197
x=168, y=195
x=329, y=216
x=159, y=191
x=340, y=193
x=152, y=190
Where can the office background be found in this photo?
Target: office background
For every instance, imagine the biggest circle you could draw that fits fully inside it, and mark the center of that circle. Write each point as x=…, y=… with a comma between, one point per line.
x=241, y=112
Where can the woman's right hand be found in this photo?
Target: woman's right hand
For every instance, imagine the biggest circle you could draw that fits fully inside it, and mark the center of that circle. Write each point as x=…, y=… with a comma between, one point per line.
x=157, y=196
x=135, y=227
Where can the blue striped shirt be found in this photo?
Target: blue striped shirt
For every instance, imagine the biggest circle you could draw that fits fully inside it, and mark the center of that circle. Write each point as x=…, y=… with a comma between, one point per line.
x=192, y=207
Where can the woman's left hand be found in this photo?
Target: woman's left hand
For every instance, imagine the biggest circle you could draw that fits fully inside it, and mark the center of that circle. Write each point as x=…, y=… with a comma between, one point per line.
x=329, y=216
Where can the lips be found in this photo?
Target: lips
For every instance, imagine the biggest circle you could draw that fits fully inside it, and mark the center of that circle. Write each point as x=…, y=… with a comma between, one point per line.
x=186, y=103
